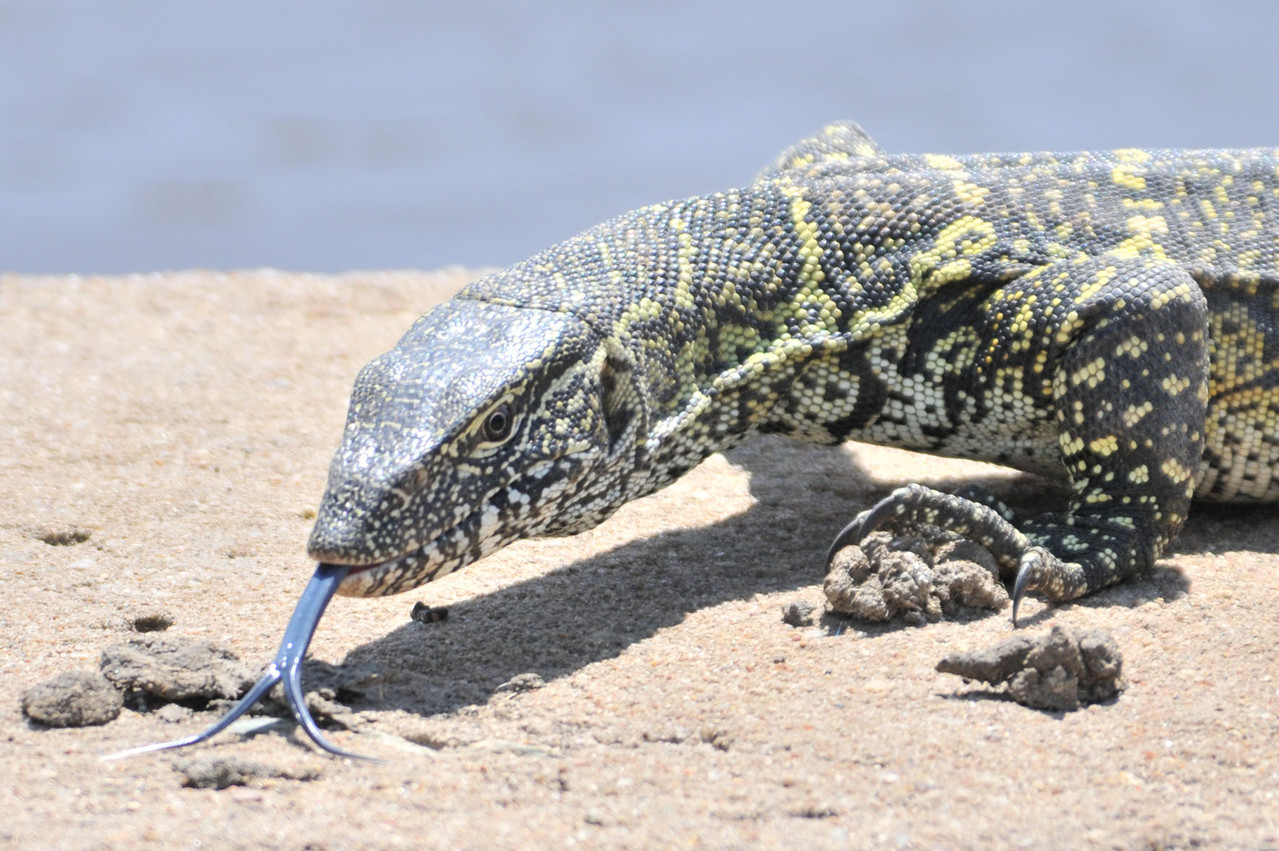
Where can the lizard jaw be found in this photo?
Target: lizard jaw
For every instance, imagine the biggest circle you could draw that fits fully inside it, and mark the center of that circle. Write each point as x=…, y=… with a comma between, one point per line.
x=474, y=537
x=392, y=576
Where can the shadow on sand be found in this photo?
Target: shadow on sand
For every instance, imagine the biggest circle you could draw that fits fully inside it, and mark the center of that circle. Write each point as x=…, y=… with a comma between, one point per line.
x=592, y=610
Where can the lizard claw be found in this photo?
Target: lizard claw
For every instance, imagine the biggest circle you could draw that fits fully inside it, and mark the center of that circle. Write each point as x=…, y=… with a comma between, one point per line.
x=1027, y=570
x=896, y=503
x=850, y=534
x=1040, y=570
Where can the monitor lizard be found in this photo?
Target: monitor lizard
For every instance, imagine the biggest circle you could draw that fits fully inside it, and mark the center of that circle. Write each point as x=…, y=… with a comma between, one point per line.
x=1108, y=318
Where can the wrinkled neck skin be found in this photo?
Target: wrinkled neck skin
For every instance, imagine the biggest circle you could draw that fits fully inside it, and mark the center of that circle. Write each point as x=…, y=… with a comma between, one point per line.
x=577, y=343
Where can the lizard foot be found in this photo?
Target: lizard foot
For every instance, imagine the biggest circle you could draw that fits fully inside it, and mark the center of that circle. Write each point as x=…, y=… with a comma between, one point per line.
x=985, y=521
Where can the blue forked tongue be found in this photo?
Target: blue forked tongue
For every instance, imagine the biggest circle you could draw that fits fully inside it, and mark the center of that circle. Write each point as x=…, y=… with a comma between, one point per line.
x=286, y=667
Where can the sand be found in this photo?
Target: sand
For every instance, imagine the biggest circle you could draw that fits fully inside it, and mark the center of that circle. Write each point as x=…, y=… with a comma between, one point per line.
x=166, y=439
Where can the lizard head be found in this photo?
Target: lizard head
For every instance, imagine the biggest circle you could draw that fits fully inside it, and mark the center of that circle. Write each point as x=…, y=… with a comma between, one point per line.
x=484, y=425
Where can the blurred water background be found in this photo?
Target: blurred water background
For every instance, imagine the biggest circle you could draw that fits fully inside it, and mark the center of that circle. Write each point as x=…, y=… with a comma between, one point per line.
x=140, y=135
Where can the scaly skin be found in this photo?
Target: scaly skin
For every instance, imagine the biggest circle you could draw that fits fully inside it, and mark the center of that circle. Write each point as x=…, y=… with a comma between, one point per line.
x=1104, y=317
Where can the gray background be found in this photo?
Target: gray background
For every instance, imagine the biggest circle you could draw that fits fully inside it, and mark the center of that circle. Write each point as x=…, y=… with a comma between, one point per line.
x=140, y=135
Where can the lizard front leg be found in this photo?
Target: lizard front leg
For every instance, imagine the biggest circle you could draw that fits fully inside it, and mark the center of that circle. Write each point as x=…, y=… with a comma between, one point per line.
x=1129, y=389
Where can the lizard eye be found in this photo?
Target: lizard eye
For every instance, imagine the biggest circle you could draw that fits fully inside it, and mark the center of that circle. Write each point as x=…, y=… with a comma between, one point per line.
x=497, y=425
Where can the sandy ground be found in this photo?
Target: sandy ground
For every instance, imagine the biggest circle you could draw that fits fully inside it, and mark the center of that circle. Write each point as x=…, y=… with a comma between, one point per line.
x=185, y=423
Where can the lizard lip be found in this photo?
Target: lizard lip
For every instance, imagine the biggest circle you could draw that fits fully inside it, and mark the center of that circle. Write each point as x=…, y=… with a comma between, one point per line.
x=450, y=549
x=353, y=567
x=419, y=564
x=354, y=563
x=361, y=577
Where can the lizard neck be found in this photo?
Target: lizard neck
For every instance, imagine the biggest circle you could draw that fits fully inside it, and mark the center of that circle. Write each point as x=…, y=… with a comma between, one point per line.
x=716, y=303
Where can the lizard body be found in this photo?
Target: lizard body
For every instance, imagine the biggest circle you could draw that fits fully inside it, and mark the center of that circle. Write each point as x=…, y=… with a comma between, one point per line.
x=1106, y=317
x=1109, y=318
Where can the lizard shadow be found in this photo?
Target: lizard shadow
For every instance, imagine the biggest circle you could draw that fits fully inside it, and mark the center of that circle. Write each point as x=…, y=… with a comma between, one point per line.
x=1219, y=528
x=594, y=609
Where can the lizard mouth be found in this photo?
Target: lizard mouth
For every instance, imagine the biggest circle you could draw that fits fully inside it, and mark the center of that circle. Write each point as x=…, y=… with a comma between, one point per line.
x=392, y=576
x=456, y=547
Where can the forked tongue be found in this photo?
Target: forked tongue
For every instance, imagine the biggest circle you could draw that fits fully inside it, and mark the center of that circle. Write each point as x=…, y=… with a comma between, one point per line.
x=286, y=667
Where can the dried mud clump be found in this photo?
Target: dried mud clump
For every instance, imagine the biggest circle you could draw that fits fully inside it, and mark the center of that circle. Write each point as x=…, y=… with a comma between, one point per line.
x=63, y=536
x=73, y=699
x=167, y=668
x=173, y=668
x=917, y=578
x=223, y=772
x=1060, y=670
x=155, y=671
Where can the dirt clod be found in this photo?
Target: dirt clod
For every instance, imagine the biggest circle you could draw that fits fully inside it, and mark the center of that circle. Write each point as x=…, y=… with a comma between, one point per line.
x=73, y=699
x=221, y=772
x=152, y=622
x=1060, y=670
x=172, y=668
x=798, y=613
x=63, y=536
x=917, y=578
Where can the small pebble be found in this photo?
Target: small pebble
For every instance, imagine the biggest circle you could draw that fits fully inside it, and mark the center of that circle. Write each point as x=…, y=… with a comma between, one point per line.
x=798, y=613
x=522, y=682
x=422, y=613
